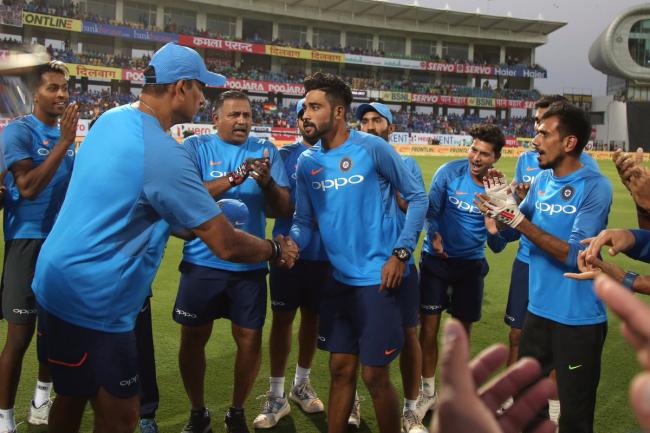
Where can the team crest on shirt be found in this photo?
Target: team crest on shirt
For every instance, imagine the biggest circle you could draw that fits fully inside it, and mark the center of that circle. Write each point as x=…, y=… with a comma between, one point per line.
x=567, y=192
x=346, y=164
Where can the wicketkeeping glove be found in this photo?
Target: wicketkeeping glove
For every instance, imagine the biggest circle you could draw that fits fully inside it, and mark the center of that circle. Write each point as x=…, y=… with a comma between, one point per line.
x=503, y=211
x=498, y=187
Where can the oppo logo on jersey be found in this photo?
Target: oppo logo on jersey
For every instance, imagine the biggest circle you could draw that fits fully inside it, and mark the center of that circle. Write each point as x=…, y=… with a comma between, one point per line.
x=528, y=179
x=337, y=183
x=463, y=205
x=44, y=152
x=217, y=173
x=553, y=209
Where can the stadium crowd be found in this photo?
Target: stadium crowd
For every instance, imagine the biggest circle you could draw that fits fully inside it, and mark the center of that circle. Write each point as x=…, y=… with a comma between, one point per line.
x=93, y=102
x=356, y=81
x=72, y=9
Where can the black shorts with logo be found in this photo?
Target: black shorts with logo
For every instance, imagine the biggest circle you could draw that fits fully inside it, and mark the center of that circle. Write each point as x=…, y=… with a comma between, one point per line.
x=17, y=300
x=82, y=360
x=452, y=284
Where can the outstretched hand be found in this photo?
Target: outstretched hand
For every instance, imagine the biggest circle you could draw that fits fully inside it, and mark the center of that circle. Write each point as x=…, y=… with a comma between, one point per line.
x=464, y=408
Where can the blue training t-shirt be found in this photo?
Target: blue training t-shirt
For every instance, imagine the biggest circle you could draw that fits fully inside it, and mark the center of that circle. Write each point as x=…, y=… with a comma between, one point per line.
x=453, y=214
x=216, y=158
x=28, y=138
x=525, y=171
x=314, y=250
x=571, y=208
x=341, y=191
x=96, y=266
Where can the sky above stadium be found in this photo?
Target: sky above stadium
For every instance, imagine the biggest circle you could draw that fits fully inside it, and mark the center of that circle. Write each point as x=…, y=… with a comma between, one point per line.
x=565, y=56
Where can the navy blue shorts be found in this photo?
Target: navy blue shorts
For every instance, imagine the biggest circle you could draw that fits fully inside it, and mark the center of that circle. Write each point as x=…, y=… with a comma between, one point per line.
x=206, y=294
x=361, y=320
x=455, y=285
x=517, y=296
x=82, y=360
x=299, y=286
x=408, y=298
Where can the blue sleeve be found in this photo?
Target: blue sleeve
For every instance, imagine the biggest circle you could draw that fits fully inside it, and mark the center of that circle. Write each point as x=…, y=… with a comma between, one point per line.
x=303, y=216
x=191, y=146
x=591, y=218
x=437, y=198
x=641, y=248
x=177, y=192
x=18, y=142
x=414, y=168
x=390, y=165
x=278, y=172
x=496, y=243
x=509, y=234
x=519, y=176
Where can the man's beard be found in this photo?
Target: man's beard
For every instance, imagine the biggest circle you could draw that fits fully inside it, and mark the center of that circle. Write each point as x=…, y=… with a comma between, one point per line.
x=318, y=131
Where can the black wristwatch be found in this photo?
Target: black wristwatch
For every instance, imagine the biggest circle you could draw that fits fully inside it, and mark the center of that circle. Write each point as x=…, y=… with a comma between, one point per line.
x=403, y=254
x=629, y=278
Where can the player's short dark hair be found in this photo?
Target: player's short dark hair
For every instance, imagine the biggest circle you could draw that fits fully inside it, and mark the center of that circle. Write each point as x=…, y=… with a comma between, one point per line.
x=336, y=90
x=546, y=101
x=490, y=134
x=56, y=66
x=152, y=88
x=228, y=94
x=571, y=121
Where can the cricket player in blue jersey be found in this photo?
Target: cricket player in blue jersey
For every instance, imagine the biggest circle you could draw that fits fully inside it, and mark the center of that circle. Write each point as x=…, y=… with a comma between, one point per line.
x=298, y=287
x=525, y=171
x=39, y=154
x=341, y=186
x=566, y=324
x=517, y=305
x=250, y=169
x=94, y=270
x=453, y=265
x=376, y=119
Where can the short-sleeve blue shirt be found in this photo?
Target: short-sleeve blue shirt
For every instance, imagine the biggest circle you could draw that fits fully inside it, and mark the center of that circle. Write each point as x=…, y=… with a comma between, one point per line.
x=216, y=158
x=96, y=266
x=28, y=138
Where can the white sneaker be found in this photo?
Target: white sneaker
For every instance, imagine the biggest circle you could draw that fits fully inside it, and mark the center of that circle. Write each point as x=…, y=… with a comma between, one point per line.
x=355, y=414
x=411, y=423
x=306, y=397
x=554, y=410
x=39, y=415
x=425, y=404
x=273, y=410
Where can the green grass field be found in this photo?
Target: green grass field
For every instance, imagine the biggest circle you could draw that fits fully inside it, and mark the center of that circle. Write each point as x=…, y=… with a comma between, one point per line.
x=613, y=414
